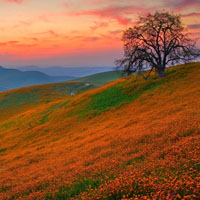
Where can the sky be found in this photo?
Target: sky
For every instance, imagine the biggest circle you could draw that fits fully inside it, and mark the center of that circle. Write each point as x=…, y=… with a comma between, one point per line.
x=77, y=32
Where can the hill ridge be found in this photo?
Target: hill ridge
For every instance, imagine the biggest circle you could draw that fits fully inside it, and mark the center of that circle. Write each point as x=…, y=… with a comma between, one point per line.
x=14, y=78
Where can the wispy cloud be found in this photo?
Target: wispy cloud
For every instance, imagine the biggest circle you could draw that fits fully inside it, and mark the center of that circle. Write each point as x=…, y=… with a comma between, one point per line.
x=184, y=4
x=35, y=39
x=98, y=25
x=16, y=44
x=14, y=1
x=115, y=32
x=51, y=33
x=9, y=43
x=119, y=13
x=193, y=14
x=194, y=26
x=91, y=39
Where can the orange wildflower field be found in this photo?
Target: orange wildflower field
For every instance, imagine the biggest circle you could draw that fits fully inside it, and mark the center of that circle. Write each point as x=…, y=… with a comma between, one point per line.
x=130, y=139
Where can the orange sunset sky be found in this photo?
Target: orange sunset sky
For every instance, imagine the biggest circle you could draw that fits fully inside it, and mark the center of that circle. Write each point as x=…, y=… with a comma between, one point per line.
x=77, y=32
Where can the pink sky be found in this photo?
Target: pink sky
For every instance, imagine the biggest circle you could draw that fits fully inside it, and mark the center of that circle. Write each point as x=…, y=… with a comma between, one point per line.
x=76, y=32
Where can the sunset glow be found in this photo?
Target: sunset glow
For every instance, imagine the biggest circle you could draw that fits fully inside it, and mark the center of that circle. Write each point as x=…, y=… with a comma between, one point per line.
x=76, y=32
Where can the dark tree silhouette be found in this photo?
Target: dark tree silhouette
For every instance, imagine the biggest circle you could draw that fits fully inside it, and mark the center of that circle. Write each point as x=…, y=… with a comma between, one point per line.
x=156, y=41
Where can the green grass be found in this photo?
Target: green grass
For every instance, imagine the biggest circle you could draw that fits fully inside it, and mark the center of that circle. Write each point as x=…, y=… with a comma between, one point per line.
x=186, y=133
x=101, y=78
x=128, y=91
x=112, y=97
x=58, y=106
x=115, y=96
x=68, y=88
x=18, y=98
x=77, y=188
x=44, y=119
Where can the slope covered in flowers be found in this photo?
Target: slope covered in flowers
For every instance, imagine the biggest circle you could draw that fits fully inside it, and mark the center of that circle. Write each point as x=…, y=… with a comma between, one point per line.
x=131, y=139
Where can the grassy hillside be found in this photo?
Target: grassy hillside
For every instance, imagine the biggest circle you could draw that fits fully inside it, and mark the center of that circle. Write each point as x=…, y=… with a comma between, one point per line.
x=130, y=139
x=18, y=100
x=101, y=78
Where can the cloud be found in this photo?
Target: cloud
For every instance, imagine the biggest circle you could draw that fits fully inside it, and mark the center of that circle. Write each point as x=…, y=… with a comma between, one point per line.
x=194, y=26
x=46, y=17
x=16, y=44
x=23, y=23
x=67, y=5
x=98, y=25
x=49, y=32
x=194, y=14
x=119, y=13
x=196, y=33
x=26, y=45
x=91, y=39
x=53, y=33
x=32, y=39
x=184, y=4
x=9, y=43
x=84, y=38
x=14, y=1
x=116, y=32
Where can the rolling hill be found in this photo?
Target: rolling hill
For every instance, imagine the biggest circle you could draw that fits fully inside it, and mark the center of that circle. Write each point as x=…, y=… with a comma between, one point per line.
x=101, y=79
x=67, y=71
x=130, y=139
x=13, y=78
x=22, y=98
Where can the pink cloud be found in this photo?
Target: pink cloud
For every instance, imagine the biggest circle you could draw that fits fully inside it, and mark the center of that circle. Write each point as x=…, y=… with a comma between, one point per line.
x=16, y=44
x=26, y=45
x=23, y=23
x=32, y=39
x=123, y=21
x=14, y=1
x=114, y=12
x=116, y=32
x=49, y=32
x=9, y=43
x=53, y=33
x=196, y=33
x=91, y=39
x=67, y=5
x=84, y=38
x=98, y=25
x=46, y=17
x=194, y=26
x=194, y=14
x=186, y=4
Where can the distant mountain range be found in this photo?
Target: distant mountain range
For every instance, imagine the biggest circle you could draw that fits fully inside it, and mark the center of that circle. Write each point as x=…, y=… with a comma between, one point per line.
x=67, y=71
x=13, y=78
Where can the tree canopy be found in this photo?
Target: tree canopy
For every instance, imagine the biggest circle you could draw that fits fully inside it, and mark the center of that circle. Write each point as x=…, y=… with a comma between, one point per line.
x=156, y=41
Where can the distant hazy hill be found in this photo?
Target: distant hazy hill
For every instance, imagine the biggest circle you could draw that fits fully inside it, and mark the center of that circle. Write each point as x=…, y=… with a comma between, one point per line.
x=3, y=89
x=13, y=78
x=67, y=71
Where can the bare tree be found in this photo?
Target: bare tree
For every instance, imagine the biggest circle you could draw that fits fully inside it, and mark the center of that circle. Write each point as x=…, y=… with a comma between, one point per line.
x=157, y=40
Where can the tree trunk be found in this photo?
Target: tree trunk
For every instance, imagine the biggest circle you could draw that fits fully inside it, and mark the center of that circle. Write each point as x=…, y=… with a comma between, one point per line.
x=161, y=72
